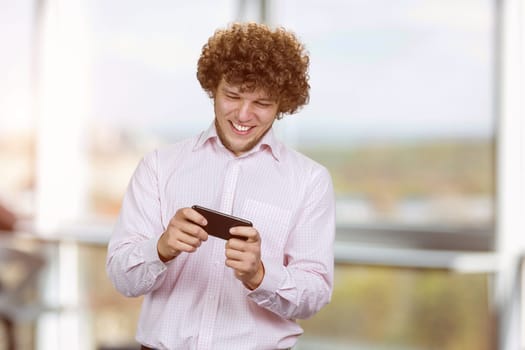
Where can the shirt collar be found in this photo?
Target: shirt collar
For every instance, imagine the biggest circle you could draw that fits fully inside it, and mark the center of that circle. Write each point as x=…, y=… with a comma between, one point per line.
x=269, y=142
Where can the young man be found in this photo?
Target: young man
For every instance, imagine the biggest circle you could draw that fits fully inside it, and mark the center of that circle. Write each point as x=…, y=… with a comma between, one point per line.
x=202, y=292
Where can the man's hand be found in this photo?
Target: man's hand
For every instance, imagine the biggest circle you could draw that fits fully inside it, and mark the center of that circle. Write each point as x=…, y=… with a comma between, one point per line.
x=244, y=257
x=183, y=234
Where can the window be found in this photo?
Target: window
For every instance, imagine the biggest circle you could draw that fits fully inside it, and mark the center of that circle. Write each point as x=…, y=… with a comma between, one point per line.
x=401, y=107
x=145, y=91
x=402, y=113
x=17, y=154
x=386, y=308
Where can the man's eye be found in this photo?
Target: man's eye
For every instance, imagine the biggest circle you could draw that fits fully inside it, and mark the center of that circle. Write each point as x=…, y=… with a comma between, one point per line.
x=233, y=97
x=263, y=104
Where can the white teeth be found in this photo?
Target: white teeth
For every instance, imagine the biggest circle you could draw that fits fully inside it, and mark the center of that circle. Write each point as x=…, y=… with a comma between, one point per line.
x=240, y=127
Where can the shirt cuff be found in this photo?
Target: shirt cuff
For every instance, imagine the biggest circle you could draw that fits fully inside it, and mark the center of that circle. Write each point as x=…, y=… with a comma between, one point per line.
x=273, y=280
x=151, y=257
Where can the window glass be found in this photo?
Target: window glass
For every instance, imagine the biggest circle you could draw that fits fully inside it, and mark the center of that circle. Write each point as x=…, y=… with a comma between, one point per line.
x=390, y=309
x=400, y=113
x=17, y=154
x=145, y=90
x=401, y=107
x=371, y=308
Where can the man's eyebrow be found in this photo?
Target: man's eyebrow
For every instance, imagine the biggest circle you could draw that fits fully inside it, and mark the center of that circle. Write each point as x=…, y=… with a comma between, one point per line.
x=229, y=90
x=233, y=91
x=266, y=99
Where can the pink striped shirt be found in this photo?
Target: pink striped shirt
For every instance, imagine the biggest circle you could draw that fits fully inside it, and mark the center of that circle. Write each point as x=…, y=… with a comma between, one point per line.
x=194, y=301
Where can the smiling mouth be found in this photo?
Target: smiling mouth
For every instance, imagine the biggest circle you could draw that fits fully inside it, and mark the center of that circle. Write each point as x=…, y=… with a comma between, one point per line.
x=240, y=128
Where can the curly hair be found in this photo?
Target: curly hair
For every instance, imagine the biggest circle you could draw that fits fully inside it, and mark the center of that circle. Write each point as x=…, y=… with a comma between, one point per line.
x=253, y=56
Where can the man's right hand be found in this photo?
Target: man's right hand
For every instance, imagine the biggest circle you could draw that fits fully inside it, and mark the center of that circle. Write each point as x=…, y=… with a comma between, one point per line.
x=183, y=234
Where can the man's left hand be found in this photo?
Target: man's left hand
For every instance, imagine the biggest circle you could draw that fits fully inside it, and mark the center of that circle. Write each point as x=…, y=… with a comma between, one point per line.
x=244, y=256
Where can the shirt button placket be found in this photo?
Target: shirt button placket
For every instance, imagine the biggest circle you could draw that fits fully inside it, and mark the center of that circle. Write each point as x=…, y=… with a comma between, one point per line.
x=217, y=273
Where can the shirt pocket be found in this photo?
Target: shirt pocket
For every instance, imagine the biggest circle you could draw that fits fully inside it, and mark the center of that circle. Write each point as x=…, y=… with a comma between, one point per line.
x=273, y=224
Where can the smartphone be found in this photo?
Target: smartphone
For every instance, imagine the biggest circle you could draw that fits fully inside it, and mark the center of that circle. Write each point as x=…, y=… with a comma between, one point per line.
x=219, y=224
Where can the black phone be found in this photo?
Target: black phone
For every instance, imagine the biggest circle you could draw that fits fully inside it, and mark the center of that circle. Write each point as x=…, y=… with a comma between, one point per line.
x=219, y=223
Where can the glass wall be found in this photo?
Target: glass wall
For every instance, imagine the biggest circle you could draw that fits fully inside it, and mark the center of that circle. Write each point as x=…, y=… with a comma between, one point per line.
x=401, y=113
x=17, y=125
x=402, y=107
x=145, y=91
x=372, y=308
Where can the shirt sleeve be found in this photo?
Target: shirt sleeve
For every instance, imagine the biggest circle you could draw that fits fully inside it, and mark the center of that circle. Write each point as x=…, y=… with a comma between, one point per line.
x=301, y=286
x=132, y=263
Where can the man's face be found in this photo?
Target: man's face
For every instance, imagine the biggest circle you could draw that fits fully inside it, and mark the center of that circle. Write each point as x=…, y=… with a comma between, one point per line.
x=242, y=118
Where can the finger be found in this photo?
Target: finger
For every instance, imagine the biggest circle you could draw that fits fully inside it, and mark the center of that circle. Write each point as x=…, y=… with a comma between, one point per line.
x=189, y=215
x=185, y=247
x=253, y=247
x=235, y=265
x=194, y=216
x=239, y=266
x=248, y=232
x=232, y=254
x=242, y=267
x=188, y=240
x=236, y=244
x=173, y=242
x=189, y=228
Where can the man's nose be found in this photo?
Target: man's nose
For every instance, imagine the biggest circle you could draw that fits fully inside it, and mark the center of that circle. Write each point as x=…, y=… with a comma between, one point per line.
x=245, y=111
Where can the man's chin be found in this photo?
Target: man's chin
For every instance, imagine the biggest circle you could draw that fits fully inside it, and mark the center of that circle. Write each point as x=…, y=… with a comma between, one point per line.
x=239, y=149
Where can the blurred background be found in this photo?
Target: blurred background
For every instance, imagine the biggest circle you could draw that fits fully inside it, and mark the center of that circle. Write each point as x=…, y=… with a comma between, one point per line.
x=415, y=110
